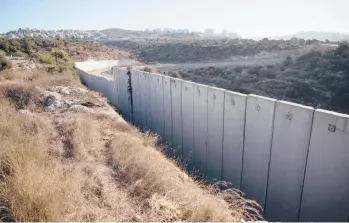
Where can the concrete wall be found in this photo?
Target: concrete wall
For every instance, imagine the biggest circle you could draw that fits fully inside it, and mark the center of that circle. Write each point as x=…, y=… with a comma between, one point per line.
x=200, y=126
x=233, y=143
x=291, y=159
x=214, y=150
x=91, y=65
x=257, y=146
x=188, y=120
x=177, y=131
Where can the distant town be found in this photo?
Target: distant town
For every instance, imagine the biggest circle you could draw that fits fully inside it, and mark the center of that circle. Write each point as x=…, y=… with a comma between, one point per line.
x=109, y=34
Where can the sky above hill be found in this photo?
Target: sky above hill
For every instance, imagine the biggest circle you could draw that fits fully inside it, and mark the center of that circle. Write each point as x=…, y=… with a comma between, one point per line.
x=248, y=17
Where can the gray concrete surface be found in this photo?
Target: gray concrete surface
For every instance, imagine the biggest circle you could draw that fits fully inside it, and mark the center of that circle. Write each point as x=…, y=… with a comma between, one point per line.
x=233, y=140
x=160, y=105
x=153, y=115
x=257, y=145
x=200, y=126
x=167, y=109
x=215, y=109
x=188, y=120
x=176, y=98
x=291, y=135
x=326, y=186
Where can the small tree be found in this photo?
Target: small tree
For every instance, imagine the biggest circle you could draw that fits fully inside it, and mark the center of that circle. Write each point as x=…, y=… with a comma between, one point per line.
x=47, y=59
x=28, y=46
x=5, y=47
x=4, y=62
x=238, y=69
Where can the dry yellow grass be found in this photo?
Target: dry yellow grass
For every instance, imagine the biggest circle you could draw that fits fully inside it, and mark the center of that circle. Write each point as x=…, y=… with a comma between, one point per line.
x=73, y=166
x=170, y=193
x=34, y=187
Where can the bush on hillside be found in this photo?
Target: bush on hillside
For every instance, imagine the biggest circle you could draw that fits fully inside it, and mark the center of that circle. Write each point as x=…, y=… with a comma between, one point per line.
x=19, y=54
x=59, y=53
x=238, y=69
x=4, y=62
x=5, y=47
x=47, y=59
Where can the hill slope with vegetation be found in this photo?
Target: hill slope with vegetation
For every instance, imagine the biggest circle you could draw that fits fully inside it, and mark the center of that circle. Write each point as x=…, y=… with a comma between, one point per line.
x=319, y=79
x=184, y=51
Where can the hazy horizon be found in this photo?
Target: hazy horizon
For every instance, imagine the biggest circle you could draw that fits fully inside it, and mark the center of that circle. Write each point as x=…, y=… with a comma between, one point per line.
x=250, y=18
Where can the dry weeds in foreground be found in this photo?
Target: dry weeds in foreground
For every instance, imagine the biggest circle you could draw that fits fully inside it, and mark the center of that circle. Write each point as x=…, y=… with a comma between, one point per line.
x=72, y=166
x=166, y=190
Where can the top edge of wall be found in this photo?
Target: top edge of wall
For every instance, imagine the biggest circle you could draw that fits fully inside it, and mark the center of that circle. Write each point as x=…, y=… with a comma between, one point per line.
x=333, y=113
x=188, y=82
x=262, y=97
x=176, y=79
x=90, y=65
x=295, y=104
x=236, y=93
x=216, y=88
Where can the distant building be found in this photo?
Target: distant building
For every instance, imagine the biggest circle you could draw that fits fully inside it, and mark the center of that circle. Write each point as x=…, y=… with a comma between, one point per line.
x=225, y=33
x=209, y=31
x=157, y=30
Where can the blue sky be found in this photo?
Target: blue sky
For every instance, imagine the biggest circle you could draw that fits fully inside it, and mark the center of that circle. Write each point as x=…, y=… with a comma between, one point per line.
x=247, y=17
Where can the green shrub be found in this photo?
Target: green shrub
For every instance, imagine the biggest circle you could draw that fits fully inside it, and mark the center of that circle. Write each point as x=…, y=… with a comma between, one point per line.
x=254, y=69
x=4, y=62
x=59, y=53
x=238, y=69
x=5, y=47
x=52, y=52
x=47, y=59
x=19, y=54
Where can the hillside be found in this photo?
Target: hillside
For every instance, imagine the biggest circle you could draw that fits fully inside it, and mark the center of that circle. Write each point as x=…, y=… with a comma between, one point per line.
x=77, y=50
x=185, y=51
x=67, y=155
x=322, y=36
x=319, y=79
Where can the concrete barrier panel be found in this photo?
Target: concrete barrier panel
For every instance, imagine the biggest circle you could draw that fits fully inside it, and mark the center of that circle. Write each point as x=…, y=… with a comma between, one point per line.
x=153, y=102
x=110, y=90
x=94, y=82
x=200, y=126
x=136, y=98
x=120, y=86
x=122, y=92
x=125, y=105
x=326, y=186
x=188, y=120
x=215, y=112
x=102, y=86
x=291, y=135
x=116, y=91
x=167, y=109
x=160, y=105
x=90, y=79
x=233, y=140
x=258, y=139
x=128, y=114
x=176, y=94
x=144, y=89
x=140, y=97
